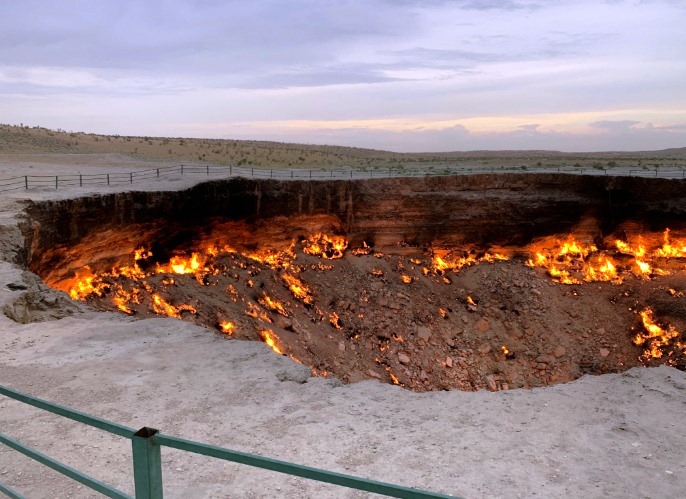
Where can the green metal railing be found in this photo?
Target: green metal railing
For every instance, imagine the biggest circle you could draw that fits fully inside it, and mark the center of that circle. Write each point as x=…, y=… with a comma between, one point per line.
x=147, y=464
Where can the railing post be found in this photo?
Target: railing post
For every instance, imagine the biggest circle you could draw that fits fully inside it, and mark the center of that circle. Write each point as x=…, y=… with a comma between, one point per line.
x=158, y=173
x=181, y=169
x=108, y=179
x=80, y=180
x=208, y=169
x=131, y=177
x=57, y=180
x=230, y=169
x=26, y=181
x=147, y=464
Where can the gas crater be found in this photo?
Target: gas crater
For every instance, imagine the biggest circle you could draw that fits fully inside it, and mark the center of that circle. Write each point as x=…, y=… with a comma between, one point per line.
x=474, y=282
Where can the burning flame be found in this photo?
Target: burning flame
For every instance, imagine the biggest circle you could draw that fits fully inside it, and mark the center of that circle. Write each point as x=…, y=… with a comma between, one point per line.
x=335, y=320
x=298, y=288
x=656, y=340
x=406, y=279
x=161, y=307
x=227, y=327
x=271, y=339
x=272, y=304
x=325, y=246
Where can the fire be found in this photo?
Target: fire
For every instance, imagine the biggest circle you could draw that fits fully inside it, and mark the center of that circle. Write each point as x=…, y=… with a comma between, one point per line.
x=325, y=246
x=605, y=270
x=298, y=288
x=272, y=304
x=671, y=251
x=455, y=263
x=183, y=265
x=227, y=327
x=656, y=340
x=272, y=340
x=86, y=286
x=470, y=301
x=257, y=313
x=377, y=272
x=406, y=279
x=362, y=250
x=335, y=320
x=161, y=307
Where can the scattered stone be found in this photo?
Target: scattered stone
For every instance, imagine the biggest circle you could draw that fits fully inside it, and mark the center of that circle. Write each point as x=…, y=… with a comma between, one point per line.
x=560, y=351
x=424, y=333
x=485, y=349
x=403, y=359
x=448, y=362
x=604, y=352
x=544, y=359
x=482, y=325
x=492, y=385
x=374, y=374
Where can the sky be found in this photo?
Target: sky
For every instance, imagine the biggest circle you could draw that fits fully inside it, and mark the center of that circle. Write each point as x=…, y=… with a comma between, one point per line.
x=401, y=75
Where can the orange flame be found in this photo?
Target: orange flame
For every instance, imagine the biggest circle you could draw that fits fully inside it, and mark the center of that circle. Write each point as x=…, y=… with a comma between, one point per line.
x=325, y=246
x=271, y=339
x=227, y=327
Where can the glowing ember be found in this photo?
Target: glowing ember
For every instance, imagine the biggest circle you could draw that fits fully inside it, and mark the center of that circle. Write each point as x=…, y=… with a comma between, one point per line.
x=298, y=288
x=257, y=313
x=271, y=339
x=325, y=246
x=183, y=265
x=406, y=279
x=161, y=307
x=377, y=272
x=658, y=341
x=227, y=327
x=362, y=250
x=335, y=320
x=272, y=304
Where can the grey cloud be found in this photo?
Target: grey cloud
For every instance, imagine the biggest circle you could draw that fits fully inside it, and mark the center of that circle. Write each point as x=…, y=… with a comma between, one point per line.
x=614, y=126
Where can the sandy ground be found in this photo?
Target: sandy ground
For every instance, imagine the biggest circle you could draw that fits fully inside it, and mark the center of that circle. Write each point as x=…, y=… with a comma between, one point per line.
x=602, y=436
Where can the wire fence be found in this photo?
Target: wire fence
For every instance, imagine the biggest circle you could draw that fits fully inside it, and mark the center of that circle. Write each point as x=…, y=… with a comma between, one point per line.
x=86, y=180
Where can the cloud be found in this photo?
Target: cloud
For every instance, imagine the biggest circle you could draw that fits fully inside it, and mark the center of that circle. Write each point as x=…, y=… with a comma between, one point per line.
x=503, y=63
x=614, y=126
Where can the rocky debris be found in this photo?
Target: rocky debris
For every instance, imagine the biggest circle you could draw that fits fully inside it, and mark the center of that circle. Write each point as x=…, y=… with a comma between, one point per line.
x=523, y=339
x=33, y=301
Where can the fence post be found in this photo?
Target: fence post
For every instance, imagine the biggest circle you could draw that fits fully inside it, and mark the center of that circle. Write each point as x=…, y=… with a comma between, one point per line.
x=147, y=464
x=108, y=179
x=131, y=177
x=26, y=181
x=158, y=173
x=230, y=169
x=56, y=181
x=208, y=169
x=80, y=180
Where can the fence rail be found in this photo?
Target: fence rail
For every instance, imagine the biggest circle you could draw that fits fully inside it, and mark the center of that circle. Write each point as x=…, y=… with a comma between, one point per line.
x=147, y=467
x=26, y=182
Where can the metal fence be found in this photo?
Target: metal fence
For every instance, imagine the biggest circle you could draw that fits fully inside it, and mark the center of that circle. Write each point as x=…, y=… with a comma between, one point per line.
x=26, y=182
x=147, y=464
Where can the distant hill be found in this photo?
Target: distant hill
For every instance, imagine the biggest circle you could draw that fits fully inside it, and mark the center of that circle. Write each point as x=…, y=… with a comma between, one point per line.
x=16, y=139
